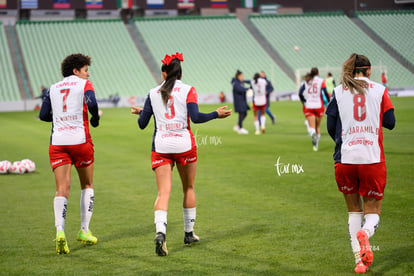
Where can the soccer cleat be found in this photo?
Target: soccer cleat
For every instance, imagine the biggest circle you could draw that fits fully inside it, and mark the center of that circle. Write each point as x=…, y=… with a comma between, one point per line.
x=257, y=132
x=361, y=268
x=314, y=139
x=190, y=237
x=366, y=252
x=236, y=128
x=87, y=238
x=243, y=131
x=160, y=244
x=315, y=148
x=61, y=243
x=263, y=130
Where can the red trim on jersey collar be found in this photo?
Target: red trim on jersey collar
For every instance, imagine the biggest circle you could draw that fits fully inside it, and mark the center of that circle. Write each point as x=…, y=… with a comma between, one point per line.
x=167, y=59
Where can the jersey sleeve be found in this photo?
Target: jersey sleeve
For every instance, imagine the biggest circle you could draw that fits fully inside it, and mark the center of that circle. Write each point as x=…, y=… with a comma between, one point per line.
x=45, y=113
x=146, y=113
x=192, y=96
x=301, y=96
x=386, y=103
x=88, y=86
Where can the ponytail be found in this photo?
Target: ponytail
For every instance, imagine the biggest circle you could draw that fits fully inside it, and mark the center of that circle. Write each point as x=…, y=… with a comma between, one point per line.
x=355, y=64
x=313, y=72
x=256, y=77
x=172, y=67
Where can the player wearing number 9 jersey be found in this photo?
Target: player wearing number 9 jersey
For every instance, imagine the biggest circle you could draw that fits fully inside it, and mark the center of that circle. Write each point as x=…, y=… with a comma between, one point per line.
x=66, y=105
x=173, y=104
x=358, y=110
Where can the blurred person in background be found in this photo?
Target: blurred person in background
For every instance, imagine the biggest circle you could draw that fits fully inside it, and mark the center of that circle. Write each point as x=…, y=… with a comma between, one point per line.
x=269, y=90
x=258, y=85
x=330, y=83
x=314, y=97
x=240, y=101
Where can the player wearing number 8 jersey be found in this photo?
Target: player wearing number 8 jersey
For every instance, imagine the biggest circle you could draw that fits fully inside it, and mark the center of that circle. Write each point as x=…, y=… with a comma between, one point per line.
x=173, y=104
x=358, y=110
x=66, y=105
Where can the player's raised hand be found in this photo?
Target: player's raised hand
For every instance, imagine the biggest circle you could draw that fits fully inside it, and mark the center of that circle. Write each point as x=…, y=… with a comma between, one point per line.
x=222, y=112
x=136, y=110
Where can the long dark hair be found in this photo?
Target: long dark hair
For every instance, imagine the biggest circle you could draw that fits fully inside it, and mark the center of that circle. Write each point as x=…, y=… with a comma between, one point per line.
x=238, y=73
x=256, y=77
x=174, y=72
x=355, y=64
x=313, y=72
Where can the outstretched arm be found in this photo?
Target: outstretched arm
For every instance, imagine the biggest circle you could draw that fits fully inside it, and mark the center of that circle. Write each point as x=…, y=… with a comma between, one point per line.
x=198, y=117
x=145, y=113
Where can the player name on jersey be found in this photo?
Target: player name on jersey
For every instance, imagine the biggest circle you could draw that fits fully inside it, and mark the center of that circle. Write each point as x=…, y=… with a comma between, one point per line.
x=68, y=118
x=171, y=126
x=362, y=129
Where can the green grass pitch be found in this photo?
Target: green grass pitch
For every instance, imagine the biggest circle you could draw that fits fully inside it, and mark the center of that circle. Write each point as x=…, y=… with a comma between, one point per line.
x=250, y=218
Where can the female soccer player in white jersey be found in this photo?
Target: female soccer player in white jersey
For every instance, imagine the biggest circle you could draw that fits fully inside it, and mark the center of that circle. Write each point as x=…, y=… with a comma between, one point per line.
x=358, y=110
x=258, y=85
x=173, y=104
x=66, y=105
x=314, y=96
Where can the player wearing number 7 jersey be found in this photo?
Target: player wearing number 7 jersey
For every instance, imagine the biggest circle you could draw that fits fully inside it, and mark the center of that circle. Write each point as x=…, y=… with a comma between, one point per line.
x=66, y=105
x=358, y=110
x=173, y=104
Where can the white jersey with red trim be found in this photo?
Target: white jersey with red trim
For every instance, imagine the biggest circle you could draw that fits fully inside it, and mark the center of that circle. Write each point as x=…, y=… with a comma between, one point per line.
x=259, y=89
x=70, y=112
x=173, y=133
x=313, y=93
x=361, y=118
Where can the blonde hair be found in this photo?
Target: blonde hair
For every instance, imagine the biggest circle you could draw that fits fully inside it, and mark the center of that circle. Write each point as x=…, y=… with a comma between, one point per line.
x=355, y=64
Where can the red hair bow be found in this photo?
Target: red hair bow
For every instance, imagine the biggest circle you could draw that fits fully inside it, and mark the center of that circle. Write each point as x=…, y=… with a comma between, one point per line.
x=167, y=59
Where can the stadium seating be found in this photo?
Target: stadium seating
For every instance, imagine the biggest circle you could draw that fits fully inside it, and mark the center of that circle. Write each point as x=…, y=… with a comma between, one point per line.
x=9, y=90
x=213, y=49
x=117, y=67
x=396, y=28
x=327, y=40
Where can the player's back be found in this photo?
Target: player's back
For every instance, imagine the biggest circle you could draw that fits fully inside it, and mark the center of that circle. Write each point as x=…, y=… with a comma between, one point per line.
x=70, y=118
x=361, y=123
x=313, y=91
x=259, y=89
x=173, y=133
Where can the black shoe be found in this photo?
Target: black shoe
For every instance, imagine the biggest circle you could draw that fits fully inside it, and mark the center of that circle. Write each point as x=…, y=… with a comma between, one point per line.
x=190, y=237
x=160, y=244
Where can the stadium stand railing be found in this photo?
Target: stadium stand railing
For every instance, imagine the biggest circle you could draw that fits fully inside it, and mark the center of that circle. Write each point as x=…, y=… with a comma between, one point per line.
x=395, y=27
x=117, y=67
x=326, y=40
x=213, y=48
x=9, y=90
